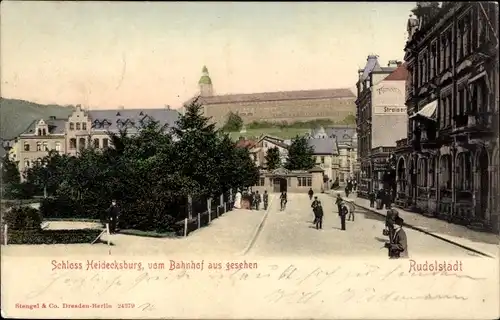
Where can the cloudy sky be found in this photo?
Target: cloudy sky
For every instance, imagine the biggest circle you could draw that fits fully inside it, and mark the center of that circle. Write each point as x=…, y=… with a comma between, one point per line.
x=140, y=54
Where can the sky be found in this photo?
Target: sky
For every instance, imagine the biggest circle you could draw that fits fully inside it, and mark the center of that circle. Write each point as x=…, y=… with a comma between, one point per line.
x=150, y=54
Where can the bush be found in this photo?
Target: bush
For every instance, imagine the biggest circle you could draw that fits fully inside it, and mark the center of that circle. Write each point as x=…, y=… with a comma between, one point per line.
x=53, y=236
x=23, y=218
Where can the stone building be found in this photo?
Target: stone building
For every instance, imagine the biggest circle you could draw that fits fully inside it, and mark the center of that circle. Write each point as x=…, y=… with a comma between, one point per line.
x=296, y=181
x=344, y=160
x=290, y=106
x=447, y=166
x=380, y=118
x=82, y=129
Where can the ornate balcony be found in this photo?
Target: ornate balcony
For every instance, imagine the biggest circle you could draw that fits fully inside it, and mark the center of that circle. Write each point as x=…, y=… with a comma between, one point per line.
x=402, y=143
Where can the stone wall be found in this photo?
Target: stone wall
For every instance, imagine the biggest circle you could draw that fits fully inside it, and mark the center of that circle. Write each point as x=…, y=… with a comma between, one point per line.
x=289, y=110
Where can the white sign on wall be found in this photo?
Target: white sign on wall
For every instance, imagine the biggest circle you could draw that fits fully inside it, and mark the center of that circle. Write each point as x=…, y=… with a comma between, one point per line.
x=388, y=98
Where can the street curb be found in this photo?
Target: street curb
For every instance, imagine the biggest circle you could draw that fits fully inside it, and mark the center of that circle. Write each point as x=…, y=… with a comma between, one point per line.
x=258, y=229
x=430, y=233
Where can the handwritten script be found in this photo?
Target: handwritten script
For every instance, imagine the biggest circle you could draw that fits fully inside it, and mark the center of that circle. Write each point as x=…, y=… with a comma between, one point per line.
x=278, y=284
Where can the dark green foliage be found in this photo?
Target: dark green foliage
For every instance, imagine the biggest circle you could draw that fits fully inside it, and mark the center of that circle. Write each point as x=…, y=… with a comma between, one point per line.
x=348, y=120
x=300, y=155
x=23, y=218
x=233, y=122
x=150, y=174
x=273, y=160
x=53, y=236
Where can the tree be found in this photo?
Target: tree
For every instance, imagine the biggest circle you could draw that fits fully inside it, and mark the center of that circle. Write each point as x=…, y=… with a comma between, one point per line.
x=11, y=178
x=300, y=155
x=273, y=159
x=233, y=122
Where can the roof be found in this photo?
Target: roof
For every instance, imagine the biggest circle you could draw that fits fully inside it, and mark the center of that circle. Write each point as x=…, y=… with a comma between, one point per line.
x=400, y=74
x=324, y=146
x=205, y=78
x=371, y=65
x=55, y=126
x=245, y=144
x=342, y=134
x=279, y=96
x=318, y=132
x=117, y=116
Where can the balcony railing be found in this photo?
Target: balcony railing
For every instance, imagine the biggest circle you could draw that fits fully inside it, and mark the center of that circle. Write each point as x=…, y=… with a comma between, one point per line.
x=401, y=143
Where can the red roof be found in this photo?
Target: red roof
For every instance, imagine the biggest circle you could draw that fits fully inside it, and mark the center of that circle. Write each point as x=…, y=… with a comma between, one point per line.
x=400, y=74
x=245, y=143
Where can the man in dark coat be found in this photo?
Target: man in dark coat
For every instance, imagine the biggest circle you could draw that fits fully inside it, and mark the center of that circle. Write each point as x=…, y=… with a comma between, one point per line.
x=371, y=196
x=318, y=213
x=113, y=214
x=390, y=220
x=342, y=214
x=283, y=200
x=314, y=206
x=310, y=193
x=257, y=200
x=266, y=199
x=398, y=247
x=338, y=202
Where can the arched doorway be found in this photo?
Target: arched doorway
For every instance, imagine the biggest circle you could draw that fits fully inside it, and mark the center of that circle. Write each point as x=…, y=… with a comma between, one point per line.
x=482, y=163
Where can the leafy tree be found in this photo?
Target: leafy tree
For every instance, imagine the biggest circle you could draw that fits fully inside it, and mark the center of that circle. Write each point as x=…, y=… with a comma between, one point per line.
x=11, y=178
x=273, y=159
x=233, y=122
x=300, y=155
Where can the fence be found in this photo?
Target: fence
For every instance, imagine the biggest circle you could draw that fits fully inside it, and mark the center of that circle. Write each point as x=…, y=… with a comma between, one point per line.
x=201, y=213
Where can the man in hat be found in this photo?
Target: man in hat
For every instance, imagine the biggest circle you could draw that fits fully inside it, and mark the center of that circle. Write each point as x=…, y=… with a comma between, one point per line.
x=266, y=199
x=113, y=214
x=338, y=202
x=314, y=206
x=342, y=214
x=318, y=213
x=398, y=247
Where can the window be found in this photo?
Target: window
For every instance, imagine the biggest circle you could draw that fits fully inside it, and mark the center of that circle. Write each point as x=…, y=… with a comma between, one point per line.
x=96, y=143
x=304, y=181
x=26, y=162
x=81, y=143
x=71, y=126
x=26, y=146
x=45, y=145
x=459, y=47
x=105, y=142
x=261, y=182
x=58, y=146
x=466, y=37
x=38, y=146
x=72, y=143
x=84, y=126
x=78, y=126
x=322, y=159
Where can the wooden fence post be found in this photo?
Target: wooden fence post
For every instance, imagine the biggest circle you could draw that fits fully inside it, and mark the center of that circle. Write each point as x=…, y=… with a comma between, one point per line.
x=185, y=227
x=218, y=208
x=199, y=219
x=221, y=201
x=108, y=236
x=5, y=238
x=209, y=209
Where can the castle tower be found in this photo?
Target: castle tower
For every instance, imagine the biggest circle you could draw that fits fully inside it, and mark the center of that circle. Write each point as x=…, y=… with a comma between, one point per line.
x=205, y=83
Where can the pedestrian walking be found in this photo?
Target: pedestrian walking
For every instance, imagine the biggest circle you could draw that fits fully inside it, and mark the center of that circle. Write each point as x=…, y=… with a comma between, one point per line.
x=310, y=193
x=266, y=199
x=398, y=246
x=283, y=200
x=371, y=196
x=113, y=214
x=319, y=216
x=347, y=191
x=257, y=200
x=342, y=214
x=338, y=202
x=314, y=205
x=355, y=185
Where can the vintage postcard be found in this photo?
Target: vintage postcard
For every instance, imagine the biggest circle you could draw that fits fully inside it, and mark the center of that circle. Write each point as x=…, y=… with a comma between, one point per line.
x=245, y=160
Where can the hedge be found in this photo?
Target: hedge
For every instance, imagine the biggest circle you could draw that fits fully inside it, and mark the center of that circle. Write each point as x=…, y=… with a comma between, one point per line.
x=71, y=236
x=19, y=201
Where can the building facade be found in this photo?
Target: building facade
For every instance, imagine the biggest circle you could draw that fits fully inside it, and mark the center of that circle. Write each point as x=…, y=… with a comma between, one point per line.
x=82, y=129
x=296, y=181
x=380, y=119
x=447, y=166
x=259, y=149
x=290, y=106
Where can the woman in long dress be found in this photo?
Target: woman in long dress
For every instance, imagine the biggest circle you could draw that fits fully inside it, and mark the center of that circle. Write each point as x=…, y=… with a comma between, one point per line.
x=237, y=200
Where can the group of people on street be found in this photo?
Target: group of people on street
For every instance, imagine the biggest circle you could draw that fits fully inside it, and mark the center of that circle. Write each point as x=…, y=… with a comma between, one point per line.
x=383, y=198
x=351, y=185
x=397, y=245
x=317, y=211
x=256, y=199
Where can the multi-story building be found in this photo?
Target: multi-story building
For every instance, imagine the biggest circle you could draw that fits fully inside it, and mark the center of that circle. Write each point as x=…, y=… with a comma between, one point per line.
x=326, y=154
x=82, y=129
x=380, y=119
x=344, y=162
x=260, y=148
x=447, y=166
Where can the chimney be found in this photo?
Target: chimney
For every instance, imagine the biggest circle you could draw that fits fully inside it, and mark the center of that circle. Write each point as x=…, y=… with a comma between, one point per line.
x=394, y=63
x=399, y=63
x=52, y=118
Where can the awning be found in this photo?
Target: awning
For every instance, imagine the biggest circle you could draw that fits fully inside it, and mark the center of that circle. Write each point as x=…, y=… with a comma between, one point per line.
x=428, y=112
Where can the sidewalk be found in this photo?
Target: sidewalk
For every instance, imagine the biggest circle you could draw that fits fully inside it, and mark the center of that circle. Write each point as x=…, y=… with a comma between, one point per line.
x=480, y=242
